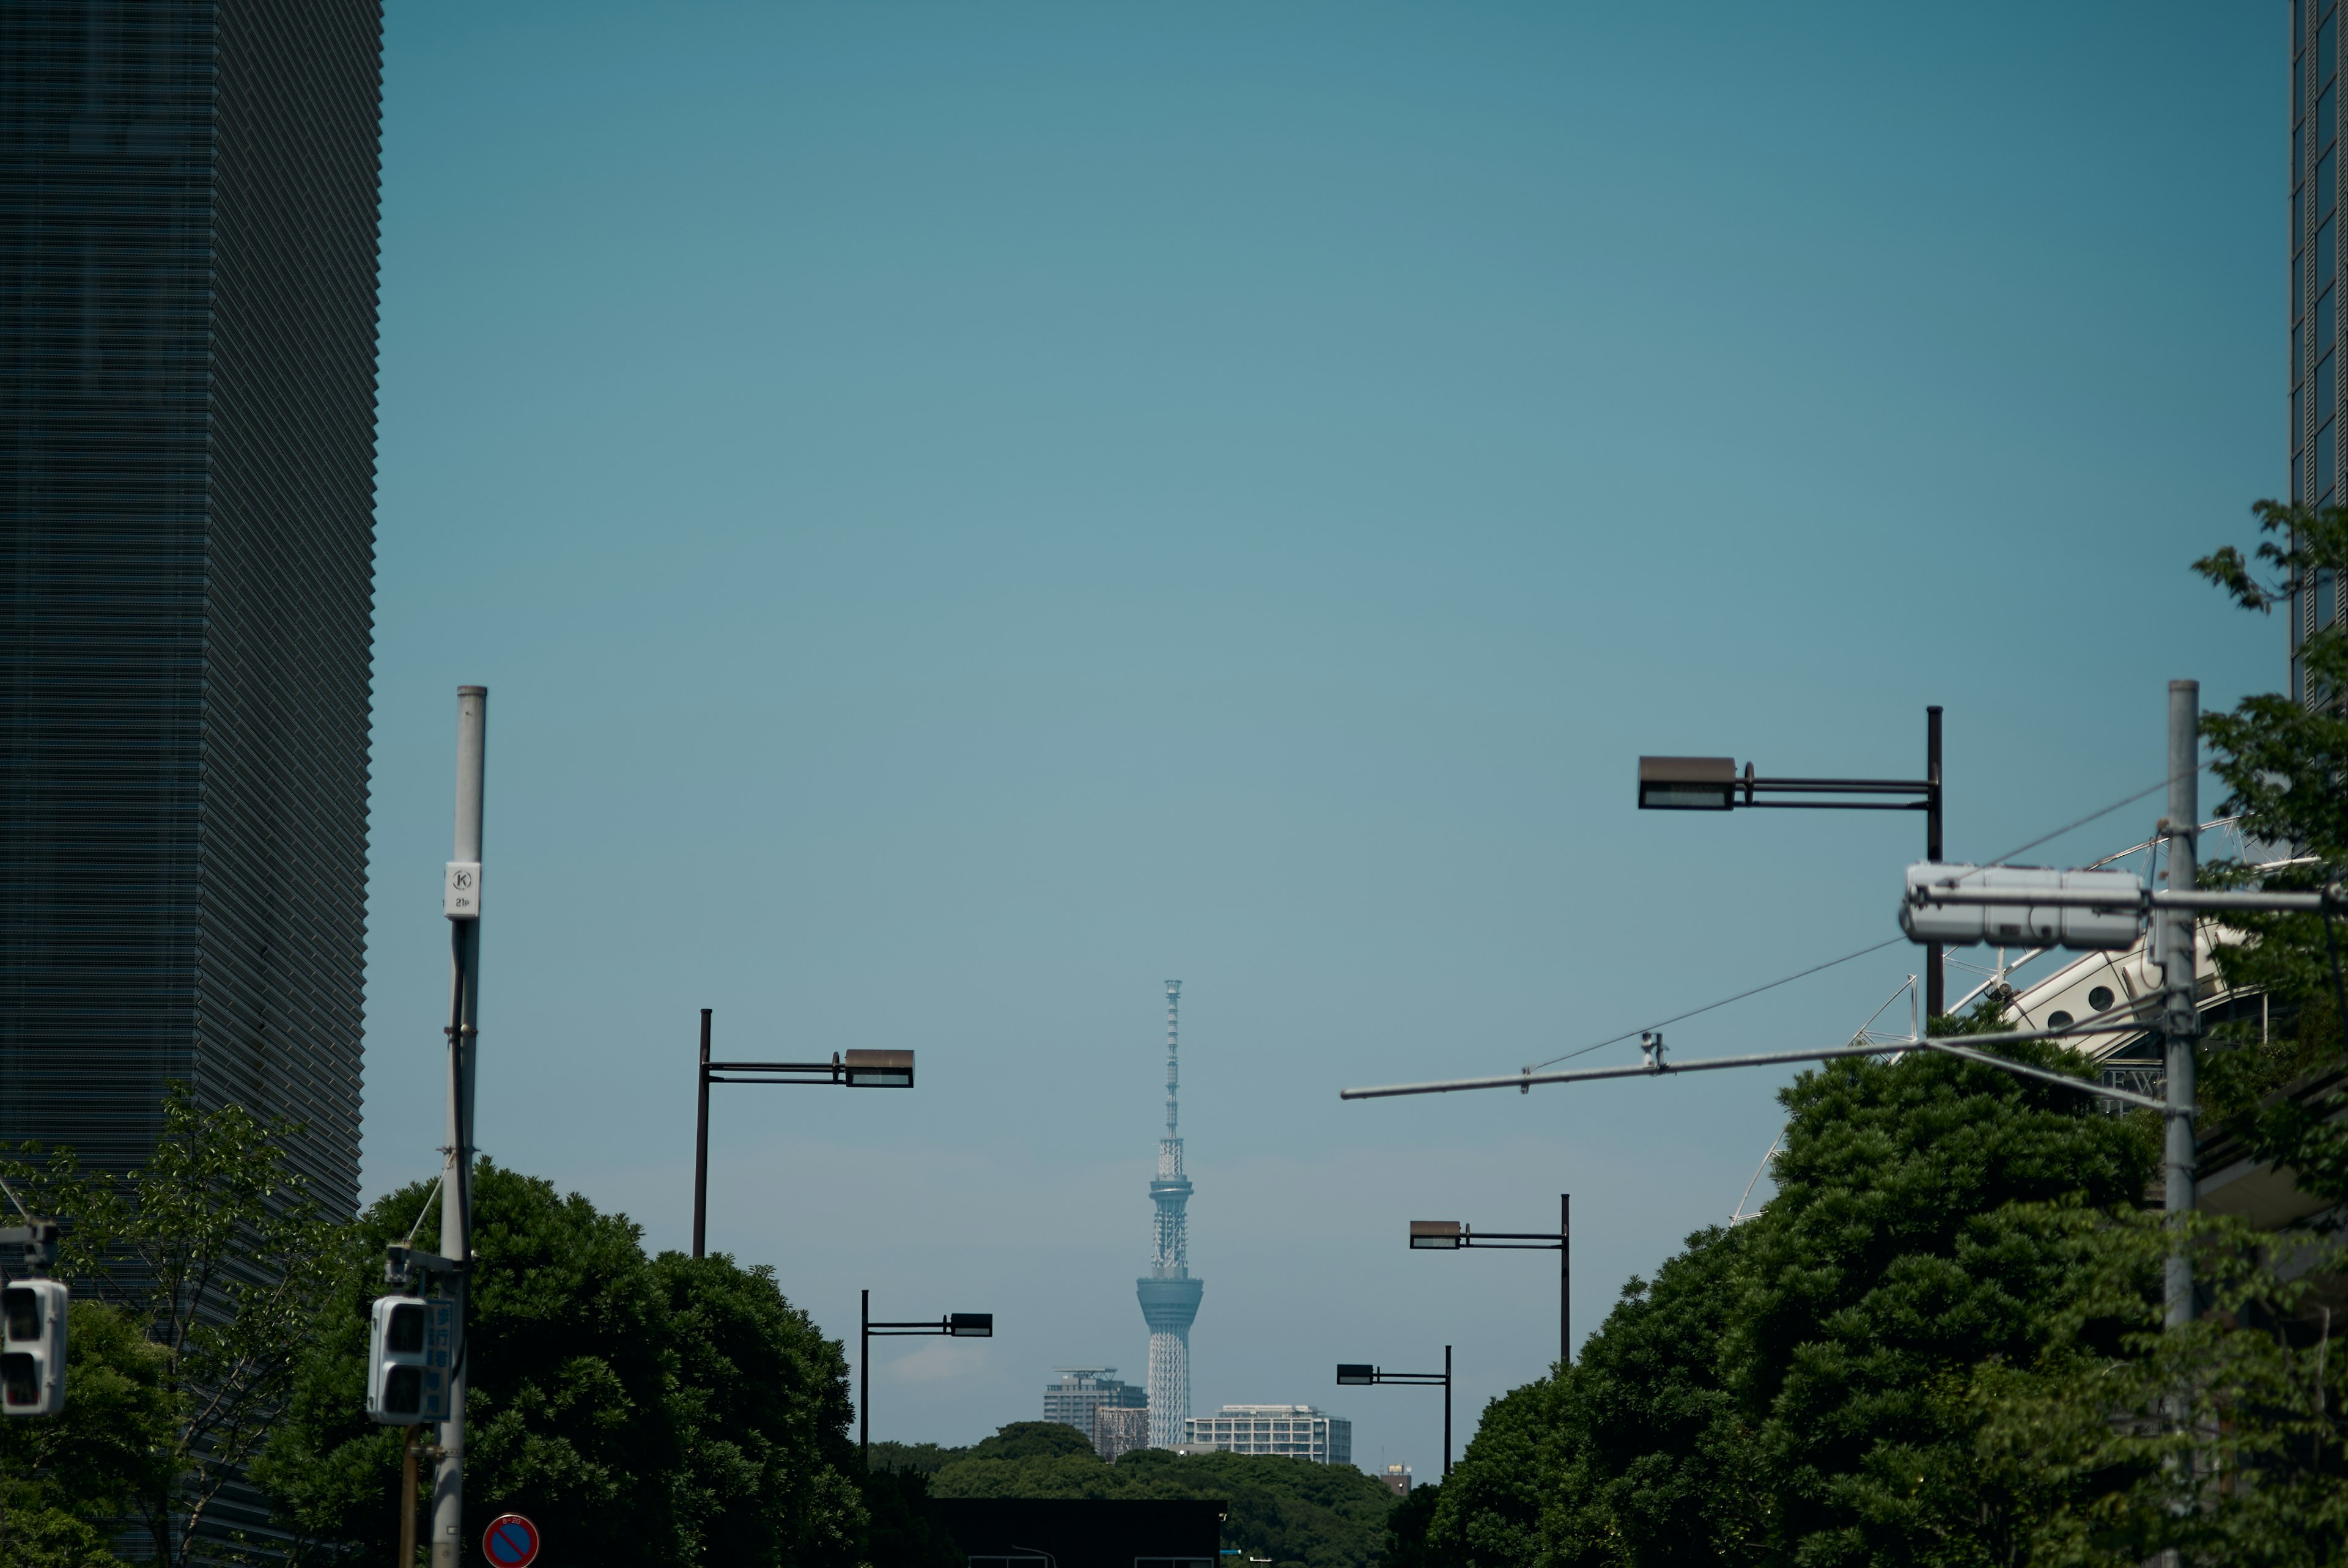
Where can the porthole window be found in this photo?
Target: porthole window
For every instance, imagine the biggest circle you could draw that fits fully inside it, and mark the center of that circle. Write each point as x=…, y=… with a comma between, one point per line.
x=2058, y=1020
x=2100, y=998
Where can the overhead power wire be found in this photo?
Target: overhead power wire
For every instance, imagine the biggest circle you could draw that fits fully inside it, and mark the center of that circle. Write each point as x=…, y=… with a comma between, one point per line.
x=1847, y=957
x=1722, y=1002
x=2107, y=811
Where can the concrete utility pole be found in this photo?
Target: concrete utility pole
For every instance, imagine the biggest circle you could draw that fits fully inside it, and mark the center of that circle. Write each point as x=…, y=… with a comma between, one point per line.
x=461, y=902
x=2180, y=1017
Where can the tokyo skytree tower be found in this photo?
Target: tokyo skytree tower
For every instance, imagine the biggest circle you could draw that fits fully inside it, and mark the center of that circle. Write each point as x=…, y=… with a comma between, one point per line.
x=1170, y=1297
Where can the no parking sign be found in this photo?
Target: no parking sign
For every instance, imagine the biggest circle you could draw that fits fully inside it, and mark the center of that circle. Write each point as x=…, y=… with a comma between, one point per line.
x=511, y=1542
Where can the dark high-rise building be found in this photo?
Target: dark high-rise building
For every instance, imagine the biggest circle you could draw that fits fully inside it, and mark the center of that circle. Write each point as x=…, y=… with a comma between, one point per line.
x=2315, y=366
x=187, y=247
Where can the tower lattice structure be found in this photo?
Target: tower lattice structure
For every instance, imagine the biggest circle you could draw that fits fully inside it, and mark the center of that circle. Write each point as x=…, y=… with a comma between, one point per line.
x=1170, y=1296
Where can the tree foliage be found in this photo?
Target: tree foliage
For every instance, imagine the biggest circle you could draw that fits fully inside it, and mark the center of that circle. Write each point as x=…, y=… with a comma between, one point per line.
x=1291, y=1511
x=646, y=1411
x=1800, y=1388
x=66, y=1480
x=211, y=1256
x=2283, y=759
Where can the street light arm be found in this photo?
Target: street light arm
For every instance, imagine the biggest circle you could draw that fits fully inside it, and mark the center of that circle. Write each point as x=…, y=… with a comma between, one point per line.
x=1839, y=786
x=1525, y=1080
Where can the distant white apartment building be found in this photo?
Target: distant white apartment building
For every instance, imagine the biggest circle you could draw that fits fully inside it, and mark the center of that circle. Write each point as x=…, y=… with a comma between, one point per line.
x=1299, y=1431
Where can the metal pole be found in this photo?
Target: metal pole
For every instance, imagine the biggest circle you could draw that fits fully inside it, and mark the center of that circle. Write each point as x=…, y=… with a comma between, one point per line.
x=457, y=1172
x=701, y=1145
x=864, y=1380
x=407, y=1496
x=2180, y=1017
x=1935, y=996
x=1565, y=1279
x=1447, y=1412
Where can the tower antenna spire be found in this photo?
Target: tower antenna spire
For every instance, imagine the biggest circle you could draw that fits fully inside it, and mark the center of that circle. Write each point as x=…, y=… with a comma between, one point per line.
x=1170, y=1297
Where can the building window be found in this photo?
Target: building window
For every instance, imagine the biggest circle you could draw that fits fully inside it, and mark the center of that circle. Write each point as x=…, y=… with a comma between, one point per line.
x=2327, y=49
x=2323, y=258
x=2323, y=484
x=2326, y=185
x=2326, y=121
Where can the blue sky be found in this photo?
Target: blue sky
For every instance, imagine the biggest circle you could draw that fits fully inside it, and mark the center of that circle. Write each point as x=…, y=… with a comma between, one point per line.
x=969, y=512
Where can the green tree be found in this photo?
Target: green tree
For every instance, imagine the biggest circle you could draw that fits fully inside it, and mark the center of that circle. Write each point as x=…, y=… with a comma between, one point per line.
x=214, y=1254
x=646, y=1411
x=2217, y=1439
x=1796, y=1389
x=64, y=1479
x=2283, y=760
x=1288, y=1510
x=1406, y=1523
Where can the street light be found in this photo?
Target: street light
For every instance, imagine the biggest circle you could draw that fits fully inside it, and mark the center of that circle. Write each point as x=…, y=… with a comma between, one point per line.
x=852, y=1069
x=1359, y=1374
x=1450, y=1235
x=1712, y=783
x=953, y=1325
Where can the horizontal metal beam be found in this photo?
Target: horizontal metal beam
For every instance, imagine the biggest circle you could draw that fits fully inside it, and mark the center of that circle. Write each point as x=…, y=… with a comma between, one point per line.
x=835, y=1083
x=824, y=1067
x=1830, y=805
x=1773, y=1059
x=1590, y=1074
x=1550, y=1246
x=2331, y=899
x=1836, y=786
x=2085, y=1085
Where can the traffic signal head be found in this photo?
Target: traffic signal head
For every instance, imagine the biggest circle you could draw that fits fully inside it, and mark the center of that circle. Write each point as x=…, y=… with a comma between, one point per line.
x=2022, y=923
x=410, y=1346
x=33, y=1357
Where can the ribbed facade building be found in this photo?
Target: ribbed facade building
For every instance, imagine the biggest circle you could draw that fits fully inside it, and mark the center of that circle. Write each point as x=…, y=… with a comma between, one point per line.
x=188, y=262
x=1170, y=1297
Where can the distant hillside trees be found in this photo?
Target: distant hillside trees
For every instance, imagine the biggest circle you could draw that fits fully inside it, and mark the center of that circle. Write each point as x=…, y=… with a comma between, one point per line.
x=1289, y=1511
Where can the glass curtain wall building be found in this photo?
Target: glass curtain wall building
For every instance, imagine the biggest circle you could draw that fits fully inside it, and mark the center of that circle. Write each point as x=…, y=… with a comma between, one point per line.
x=188, y=257
x=2315, y=361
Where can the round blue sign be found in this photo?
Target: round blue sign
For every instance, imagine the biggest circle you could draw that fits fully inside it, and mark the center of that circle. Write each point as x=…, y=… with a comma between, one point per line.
x=511, y=1542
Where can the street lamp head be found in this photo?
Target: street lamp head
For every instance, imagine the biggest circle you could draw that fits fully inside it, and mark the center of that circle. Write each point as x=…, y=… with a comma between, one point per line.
x=878, y=1069
x=971, y=1325
x=1687, y=784
x=1353, y=1372
x=1435, y=1235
